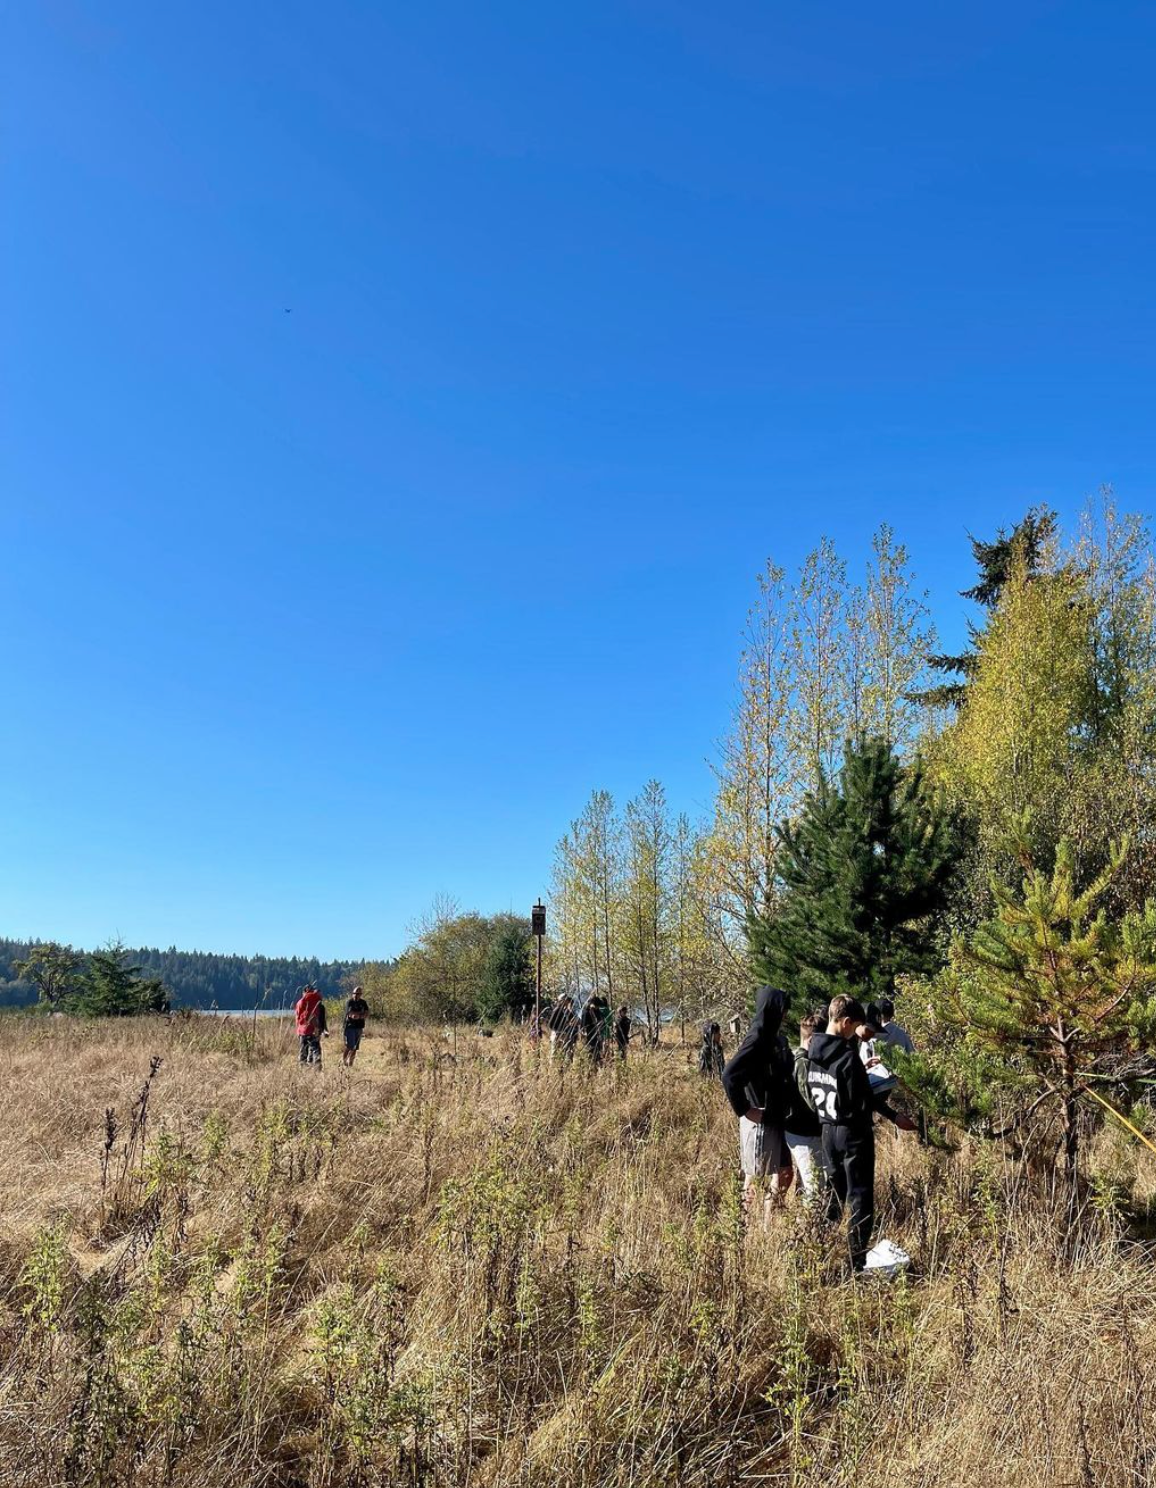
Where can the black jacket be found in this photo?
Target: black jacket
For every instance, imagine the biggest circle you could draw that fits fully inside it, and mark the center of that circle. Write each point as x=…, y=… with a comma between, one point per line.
x=755, y=1075
x=594, y=1020
x=840, y=1089
x=710, y=1055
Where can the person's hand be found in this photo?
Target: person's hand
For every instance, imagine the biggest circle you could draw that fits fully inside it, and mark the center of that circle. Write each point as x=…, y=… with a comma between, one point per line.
x=873, y=1061
x=754, y=1113
x=905, y=1123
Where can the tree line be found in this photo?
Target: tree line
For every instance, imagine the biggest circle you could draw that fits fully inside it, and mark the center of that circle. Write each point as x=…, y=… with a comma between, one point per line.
x=196, y=979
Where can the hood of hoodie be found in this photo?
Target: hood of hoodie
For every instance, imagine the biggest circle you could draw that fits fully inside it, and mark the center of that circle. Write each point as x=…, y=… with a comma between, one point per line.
x=770, y=1009
x=828, y=1050
x=748, y=1077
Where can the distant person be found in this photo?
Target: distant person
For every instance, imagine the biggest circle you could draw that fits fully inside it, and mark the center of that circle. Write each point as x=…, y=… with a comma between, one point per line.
x=311, y=1025
x=711, y=1059
x=622, y=1030
x=801, y=1128
x=846, y=1105
x=889, y=1032
x=595, y=1026
x=353, y=1026
x=754, y=1080
x=562, y=1021
x=873, y=1053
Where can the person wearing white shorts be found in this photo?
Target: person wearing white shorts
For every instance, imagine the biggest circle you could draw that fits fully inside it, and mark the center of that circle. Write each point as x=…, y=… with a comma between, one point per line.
x=803, y=1134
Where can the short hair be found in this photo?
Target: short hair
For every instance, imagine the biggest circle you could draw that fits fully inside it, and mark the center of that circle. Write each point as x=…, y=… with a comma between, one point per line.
x=813, y=1023
x=885, y=1007
x=845, y=1007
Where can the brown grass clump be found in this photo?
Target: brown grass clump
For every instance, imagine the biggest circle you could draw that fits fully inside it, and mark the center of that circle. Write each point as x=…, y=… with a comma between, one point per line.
x=493, y=1272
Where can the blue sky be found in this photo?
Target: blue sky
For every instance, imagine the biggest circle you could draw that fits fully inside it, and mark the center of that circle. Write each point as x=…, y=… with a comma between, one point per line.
x=311, y=615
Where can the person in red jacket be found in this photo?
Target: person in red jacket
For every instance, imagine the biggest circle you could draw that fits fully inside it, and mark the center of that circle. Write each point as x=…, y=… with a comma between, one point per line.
x=310, y=1010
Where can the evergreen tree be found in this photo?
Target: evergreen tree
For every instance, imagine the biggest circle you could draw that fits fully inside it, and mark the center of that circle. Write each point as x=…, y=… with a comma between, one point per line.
x=507, y=985
x=113, y=988
x=861, y=874
x=1025, y=549
x=1045, y=996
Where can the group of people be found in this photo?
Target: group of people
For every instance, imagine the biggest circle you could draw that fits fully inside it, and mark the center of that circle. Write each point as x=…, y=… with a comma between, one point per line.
x=810, y=1110
x=595, y=1028
x=807, y=1110
x=313, y=1025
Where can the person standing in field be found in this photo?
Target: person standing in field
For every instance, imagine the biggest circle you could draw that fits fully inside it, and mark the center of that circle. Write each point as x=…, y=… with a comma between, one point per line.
x=711, y=1059
x=888, y=1031
x=754, y=1080
x=562, y=1021
x=310, y=1011
x=622, y=1031
x=802, y=1131
x=353, y=1026
x=595, y=1016
x=846, y=1105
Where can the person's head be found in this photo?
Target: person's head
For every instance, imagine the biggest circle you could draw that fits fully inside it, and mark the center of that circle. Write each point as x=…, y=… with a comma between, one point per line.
x=886, y=1010
x=812, y=1024
x=624, y=1011
x=357, y=991
x=845, y=1016
x=715, y=1034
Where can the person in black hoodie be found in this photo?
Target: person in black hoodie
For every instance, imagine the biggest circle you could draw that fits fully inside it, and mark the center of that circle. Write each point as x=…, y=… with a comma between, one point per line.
x=711, y=1059
x=595, y=1024
x=845, y=1105
x=754, y=1079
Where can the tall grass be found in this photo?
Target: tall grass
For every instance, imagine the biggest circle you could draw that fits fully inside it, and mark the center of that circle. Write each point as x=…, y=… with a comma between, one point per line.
x=489, y=1271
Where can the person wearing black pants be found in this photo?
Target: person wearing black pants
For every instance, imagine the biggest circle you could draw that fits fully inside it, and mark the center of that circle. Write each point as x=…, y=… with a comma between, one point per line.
x=845, y=1105
x=755, y=1082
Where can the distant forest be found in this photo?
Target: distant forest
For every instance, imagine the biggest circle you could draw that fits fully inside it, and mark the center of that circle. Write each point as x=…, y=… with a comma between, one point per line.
x=202, y=979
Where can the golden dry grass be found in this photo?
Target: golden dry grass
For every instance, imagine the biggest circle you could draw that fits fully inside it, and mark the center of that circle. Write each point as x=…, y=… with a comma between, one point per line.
x=491, y=1272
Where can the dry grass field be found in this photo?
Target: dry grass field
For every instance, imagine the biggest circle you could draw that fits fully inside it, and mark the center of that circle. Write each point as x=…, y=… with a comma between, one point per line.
x=485, y=1271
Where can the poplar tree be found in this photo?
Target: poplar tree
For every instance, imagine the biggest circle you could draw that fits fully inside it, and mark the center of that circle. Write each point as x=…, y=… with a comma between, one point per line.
x=645, y=929
x=863, y=871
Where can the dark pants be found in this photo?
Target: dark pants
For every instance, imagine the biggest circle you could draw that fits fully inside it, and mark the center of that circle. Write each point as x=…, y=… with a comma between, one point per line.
x=310, y=1048
x=849, y=1164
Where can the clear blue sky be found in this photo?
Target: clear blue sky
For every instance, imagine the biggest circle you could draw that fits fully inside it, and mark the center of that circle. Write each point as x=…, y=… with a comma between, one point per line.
x=594, y=306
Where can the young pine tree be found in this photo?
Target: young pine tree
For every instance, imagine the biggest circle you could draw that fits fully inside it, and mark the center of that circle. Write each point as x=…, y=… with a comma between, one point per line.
x=862, y=873
x=1050, y=992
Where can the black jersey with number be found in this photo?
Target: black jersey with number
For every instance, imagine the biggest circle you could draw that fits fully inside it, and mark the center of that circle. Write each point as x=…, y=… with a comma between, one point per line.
x=840, y=1090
